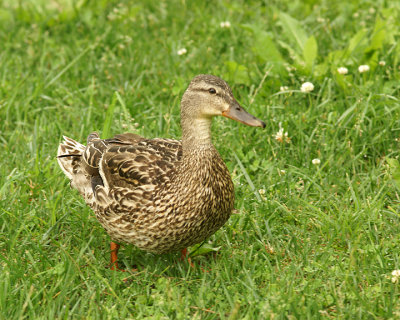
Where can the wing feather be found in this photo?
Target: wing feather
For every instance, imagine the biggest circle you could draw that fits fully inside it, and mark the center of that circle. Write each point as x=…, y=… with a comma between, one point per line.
x=127, y=164
x=148, y=163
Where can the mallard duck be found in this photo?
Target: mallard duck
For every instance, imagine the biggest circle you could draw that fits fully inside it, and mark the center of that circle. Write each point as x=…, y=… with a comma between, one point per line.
x=160, y=194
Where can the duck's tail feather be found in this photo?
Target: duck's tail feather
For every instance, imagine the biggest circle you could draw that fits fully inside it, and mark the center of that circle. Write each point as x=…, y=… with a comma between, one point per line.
x=69, y=157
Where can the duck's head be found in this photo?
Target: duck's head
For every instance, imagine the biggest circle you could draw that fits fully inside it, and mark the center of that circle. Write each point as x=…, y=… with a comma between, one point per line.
x=208, y=96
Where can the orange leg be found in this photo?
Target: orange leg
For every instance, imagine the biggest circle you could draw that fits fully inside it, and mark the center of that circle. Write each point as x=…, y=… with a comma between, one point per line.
x=184, y=253
x=114, y=256
x=184, y=256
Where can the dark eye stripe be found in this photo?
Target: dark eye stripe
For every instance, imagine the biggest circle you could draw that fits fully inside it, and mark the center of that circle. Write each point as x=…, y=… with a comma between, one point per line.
x=207, y=90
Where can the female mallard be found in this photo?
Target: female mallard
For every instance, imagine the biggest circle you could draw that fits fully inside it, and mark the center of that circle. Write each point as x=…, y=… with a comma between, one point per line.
x=160, y=194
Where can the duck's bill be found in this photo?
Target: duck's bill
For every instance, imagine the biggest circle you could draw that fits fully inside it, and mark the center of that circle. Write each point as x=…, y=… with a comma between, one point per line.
x=236, y=112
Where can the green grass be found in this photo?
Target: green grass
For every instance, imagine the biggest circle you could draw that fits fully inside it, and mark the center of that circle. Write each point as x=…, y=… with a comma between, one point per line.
x=317, y=241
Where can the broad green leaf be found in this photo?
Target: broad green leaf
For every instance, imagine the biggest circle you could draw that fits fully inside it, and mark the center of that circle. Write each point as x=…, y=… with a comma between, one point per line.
x=391, y=25
x=378, y=36
x=264, y=47
x=202, y=249
x=339, y=58
x=321, y=70
x=373, y=59
x=237, y=73
x=310, y=51
x=294, y=30
x=298, y=58
x=358, y=40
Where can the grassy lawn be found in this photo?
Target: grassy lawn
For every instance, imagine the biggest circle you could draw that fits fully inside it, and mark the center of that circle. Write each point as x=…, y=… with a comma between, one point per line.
x=308, y=240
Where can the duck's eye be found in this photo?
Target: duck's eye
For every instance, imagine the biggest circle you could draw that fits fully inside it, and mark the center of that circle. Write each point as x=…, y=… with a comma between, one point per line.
x=212, y=91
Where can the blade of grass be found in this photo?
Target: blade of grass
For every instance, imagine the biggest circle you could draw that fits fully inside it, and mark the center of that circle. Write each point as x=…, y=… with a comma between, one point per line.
x=109, y=117
x=248, y=179
x=69, y=65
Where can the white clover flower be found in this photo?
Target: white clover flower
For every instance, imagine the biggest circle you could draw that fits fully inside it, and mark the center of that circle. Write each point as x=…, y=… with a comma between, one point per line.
x=396, y=273
x=395, y=276
x=282, y=172
x=316, y=161
x=261, y=191
x=363, y=68
x=225, y=24
x=382, y=63
x=342, y=70
x=307, y=87
x=181, y=51
x=281, y=136
x=284, y=88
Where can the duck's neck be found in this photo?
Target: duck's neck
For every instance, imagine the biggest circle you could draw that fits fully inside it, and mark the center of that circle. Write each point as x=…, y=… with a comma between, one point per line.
x=196, y=134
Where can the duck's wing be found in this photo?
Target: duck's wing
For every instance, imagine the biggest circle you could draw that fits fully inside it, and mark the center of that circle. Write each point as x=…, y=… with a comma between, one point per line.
x=147, y=163
x=124, y=162
x=128, y=160
x=97, y=147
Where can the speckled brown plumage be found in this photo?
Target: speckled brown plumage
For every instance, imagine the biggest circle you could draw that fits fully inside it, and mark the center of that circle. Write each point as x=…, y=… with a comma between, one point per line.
x=160, y=194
